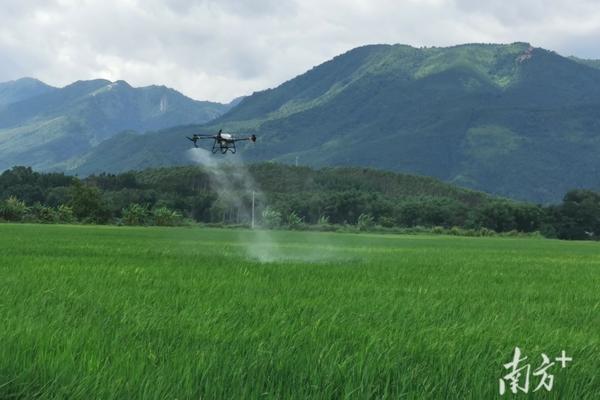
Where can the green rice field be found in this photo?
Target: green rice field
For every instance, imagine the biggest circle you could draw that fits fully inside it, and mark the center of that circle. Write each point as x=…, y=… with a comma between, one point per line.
x=190, y=313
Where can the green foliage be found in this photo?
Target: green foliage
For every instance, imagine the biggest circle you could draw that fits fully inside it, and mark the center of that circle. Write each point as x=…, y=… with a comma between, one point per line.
x=163, y=216
x=294, y=221
x=29, y=186
x=51, y=126
x=65, y=214
x=365, y=222
x=511, y=120
x=387, y=221
x=439, y=230
x=43, y=214
x=579, y=216
x=136, y=214
x=323, y=224
x=13, y=209
x=323, y=220
x=503, y=216
x=297, y=198
x=87, y=204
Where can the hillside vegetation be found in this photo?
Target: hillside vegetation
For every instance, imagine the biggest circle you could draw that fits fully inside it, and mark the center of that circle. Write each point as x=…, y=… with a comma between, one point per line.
x=287, y=197
x=22, y=89
x=45, y=127
x=512, y=120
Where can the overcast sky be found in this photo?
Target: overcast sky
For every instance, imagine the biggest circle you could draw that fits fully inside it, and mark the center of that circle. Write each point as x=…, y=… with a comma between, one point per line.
x=221, y=49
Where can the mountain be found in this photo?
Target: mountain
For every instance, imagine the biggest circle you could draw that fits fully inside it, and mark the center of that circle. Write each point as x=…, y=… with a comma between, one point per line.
x=22, y=89
x=589, y=63
x=44, y=127
x=511, y=120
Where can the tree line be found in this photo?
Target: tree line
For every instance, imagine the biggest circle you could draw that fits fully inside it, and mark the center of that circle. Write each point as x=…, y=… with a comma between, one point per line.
x=290, y=197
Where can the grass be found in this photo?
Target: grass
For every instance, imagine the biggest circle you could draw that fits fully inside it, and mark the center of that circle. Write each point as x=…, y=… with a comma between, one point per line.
x=179, y=313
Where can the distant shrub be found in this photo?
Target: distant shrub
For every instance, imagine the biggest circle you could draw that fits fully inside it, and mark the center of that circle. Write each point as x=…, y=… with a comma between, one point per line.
x=387, y=222
x=323, y=220
x=548, y=231
x=486, y=232
x=365, y=222
x=347, y=228
x=135, y=214
x=326, y=228
x=214, y=225
x=163, y=216
x=536, y=234
x=65, y=214
x=43, y=214
x=13, y=209
x=456, y=231
x=438, y=230
x=323, y=225
x=294, y=221
x=471, y=232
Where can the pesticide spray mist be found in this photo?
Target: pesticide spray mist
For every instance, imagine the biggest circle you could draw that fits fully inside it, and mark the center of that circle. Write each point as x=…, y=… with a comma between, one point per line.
x=235, y=186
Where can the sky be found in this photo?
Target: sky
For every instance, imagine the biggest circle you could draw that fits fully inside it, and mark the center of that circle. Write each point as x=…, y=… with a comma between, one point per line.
x=221, y=49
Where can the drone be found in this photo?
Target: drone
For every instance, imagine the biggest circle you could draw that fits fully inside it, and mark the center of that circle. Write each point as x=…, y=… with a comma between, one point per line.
x=223, y=142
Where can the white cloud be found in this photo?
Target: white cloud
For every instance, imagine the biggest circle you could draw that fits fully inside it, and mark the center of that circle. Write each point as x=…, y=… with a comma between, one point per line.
x=218, y=50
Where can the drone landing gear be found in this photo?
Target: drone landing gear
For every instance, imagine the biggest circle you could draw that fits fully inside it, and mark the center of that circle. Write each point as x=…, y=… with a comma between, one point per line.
x=224, y=147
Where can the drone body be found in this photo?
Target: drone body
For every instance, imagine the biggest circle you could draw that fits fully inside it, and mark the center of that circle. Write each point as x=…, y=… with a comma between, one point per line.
x=223, y=142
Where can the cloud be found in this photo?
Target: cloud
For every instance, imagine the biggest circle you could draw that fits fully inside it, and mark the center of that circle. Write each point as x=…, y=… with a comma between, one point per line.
x=218, y=50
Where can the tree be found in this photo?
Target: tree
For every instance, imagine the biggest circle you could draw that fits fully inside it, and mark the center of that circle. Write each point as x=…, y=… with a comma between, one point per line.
x=498, y=216
x=87, y=204
x=528, y=217
x=579, y=216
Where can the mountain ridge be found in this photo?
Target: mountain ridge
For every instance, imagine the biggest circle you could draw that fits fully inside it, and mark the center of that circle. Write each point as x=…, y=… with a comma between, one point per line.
x=47, y=128
x=511, y=120
x=21, y=89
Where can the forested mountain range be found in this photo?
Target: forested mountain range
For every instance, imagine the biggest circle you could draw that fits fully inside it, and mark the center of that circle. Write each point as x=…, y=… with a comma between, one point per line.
x=43, y=126
x=512, y=120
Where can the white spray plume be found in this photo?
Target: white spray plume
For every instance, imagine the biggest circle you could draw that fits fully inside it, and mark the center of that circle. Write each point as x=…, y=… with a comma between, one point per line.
x=233, y=183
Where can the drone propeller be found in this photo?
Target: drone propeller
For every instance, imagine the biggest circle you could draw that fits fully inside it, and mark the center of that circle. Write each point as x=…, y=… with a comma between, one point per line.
x=194, y=140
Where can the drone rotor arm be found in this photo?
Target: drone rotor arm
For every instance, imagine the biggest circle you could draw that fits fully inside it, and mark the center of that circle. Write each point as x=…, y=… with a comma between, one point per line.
x=206, y=137
x=251, y=138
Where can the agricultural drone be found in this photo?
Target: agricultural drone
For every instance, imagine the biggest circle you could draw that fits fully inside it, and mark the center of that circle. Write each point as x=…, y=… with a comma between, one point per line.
x=223, y=142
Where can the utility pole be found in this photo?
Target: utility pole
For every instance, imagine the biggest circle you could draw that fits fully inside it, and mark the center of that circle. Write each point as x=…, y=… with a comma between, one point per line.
x=296, y=161
x=253, y=209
